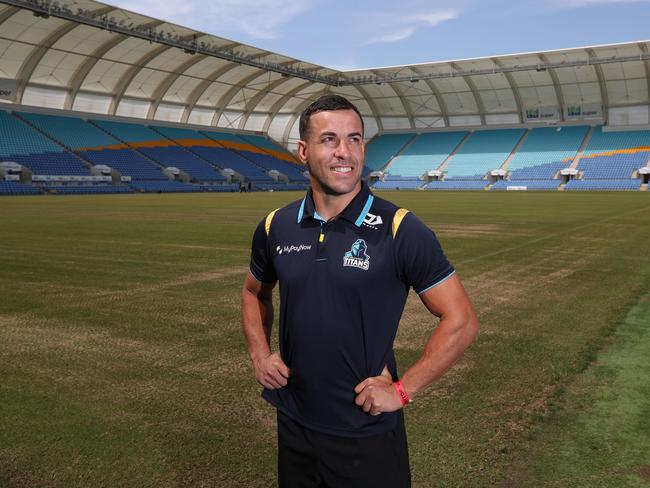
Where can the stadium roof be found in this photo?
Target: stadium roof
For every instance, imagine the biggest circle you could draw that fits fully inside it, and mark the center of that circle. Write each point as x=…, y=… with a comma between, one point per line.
x=87, y=56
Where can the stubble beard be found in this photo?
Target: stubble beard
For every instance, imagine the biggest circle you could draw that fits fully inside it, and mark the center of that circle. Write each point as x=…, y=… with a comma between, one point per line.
x=329, y=190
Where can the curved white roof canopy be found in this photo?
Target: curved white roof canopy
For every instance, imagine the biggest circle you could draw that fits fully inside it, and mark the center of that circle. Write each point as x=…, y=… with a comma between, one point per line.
x=91, y=57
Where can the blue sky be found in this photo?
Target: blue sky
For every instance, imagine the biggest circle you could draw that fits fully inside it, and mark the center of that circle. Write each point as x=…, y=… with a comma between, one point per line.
x=364, y=33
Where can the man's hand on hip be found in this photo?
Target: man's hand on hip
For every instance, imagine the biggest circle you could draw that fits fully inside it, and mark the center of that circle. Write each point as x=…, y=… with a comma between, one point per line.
x=271, y=372
x=377, y=394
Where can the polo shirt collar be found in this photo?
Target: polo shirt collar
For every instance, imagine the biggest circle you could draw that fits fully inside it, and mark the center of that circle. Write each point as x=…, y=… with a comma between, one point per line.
x=355, y=212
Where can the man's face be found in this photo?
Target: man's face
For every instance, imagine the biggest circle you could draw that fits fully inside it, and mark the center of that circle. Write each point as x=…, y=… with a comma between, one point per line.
x=334, y=151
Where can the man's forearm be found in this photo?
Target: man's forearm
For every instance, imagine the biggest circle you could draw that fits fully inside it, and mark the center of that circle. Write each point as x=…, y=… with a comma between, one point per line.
x=257, y=321
x=445, y=346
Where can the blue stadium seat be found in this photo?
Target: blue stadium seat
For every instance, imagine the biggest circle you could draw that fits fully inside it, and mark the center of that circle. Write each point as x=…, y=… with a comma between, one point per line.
x=457, y=185
x=427, y=152
x=603, y=185
x=21, y=143
x=383, y=148
x=547, y=147
x=483, y=151
x=15, y=188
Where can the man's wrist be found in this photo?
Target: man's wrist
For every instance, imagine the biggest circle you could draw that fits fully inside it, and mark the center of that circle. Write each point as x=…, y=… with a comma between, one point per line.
x=401, y=393
x=257, y=358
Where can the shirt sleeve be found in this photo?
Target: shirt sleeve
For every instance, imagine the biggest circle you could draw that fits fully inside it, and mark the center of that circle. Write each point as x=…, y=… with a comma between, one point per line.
x=261, y=263
x=421, y=261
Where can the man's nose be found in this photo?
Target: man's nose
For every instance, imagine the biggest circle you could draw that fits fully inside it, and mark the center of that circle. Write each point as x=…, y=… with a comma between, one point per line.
x=342, y=150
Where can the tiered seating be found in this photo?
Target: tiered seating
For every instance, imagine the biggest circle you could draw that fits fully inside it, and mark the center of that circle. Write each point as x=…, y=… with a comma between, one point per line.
x=183, y=154
x=583, y=185
x=182, y=137
x=95, y=145
x=276, y=158
x=73, y=132
x=427, y=152
x=615, y=155
x=547, y=148
x=127, y=132
x=530, y=184
x=268, y=146
x=618, y=166
x=393, y=182
x=615, y=141
x=293, y=171
x=483, y=151
x=179, y=157
x=538, y=172
x=21, y=143
x=383, y=148
x=160, y=149
x=229, y=159
x=15, y=188
x=230, y=152
x=219, y=149
x=457, y=185
x=127, y=162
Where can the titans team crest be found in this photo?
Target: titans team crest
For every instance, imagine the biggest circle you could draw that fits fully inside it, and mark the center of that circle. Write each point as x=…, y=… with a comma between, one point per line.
x=356, y=256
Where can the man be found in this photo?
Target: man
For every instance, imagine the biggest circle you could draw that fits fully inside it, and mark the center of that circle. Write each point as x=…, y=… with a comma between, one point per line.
x=345, y=261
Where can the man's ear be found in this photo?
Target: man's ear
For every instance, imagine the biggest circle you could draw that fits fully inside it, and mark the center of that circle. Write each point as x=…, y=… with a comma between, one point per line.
x=302, y=151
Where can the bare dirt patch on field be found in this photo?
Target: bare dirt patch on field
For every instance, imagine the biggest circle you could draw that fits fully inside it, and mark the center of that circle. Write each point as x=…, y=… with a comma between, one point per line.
x=30, y=336
x=644, y=472
x=28, y=333
x=512, y=284
x=23, y=480
x=188, y=279
x=118, y=370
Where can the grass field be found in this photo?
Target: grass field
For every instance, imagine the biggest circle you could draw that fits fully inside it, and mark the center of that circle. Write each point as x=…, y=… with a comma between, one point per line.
x=122, y=362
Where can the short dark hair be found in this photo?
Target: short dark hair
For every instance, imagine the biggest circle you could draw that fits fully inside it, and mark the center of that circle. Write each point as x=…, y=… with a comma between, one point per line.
x=325, y=103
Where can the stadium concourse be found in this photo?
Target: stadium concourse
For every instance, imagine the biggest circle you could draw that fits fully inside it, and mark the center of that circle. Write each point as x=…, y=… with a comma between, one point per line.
x=97, y=99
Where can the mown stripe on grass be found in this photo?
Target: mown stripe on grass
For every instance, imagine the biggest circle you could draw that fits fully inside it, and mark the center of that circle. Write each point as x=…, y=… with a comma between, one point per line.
x=601, y=436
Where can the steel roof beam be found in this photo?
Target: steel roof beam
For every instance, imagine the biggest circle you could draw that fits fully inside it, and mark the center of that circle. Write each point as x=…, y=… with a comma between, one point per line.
x=477, y=96
x=440, y=99
x=515, y=90
x=559, y=93
x=604, y=97
x=646, y=65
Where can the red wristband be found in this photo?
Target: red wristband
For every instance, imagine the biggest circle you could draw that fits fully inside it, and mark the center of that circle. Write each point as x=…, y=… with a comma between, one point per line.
x=403, y=396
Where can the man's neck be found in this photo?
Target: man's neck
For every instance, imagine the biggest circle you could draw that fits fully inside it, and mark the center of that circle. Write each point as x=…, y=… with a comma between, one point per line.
x=329, y=206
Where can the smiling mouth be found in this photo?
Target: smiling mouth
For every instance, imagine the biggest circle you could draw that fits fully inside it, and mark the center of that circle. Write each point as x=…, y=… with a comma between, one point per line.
x=342, y=169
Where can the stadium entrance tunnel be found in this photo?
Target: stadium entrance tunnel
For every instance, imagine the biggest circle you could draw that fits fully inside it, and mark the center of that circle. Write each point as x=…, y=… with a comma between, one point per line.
x=497, y=175
x=433, y=175
x=12, y=171
x=568, y=174
x=104, y=170
x=175, y=174
x=644, y=174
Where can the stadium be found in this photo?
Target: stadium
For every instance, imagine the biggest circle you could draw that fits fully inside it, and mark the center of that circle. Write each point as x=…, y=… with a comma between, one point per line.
x=136, y=158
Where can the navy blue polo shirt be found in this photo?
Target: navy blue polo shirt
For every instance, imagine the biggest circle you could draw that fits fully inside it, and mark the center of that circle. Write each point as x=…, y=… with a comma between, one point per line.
x=343, y=287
